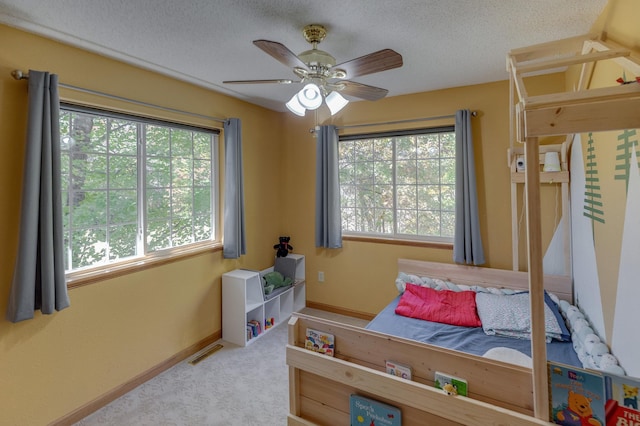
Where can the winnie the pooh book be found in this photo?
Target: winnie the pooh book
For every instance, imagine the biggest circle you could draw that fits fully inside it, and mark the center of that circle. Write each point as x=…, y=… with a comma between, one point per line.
x=576, y=396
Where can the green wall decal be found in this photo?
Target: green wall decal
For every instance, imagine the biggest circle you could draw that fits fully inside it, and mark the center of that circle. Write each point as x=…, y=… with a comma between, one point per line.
x=624, y=156
x=593, y=208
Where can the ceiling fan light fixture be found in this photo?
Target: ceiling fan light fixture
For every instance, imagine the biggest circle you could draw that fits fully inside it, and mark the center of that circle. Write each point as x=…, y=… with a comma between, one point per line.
x=295, y=106
x=310, y=96
x=335, y=101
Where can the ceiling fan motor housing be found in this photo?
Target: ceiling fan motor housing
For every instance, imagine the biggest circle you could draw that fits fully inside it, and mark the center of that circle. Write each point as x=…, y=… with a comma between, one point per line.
x=320, y=65
x=318, y=61
x=318, y=58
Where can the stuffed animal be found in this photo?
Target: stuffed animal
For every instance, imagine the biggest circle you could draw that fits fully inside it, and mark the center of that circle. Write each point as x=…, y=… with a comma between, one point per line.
x=283, y=247
x=578, y=412
x=274, y=280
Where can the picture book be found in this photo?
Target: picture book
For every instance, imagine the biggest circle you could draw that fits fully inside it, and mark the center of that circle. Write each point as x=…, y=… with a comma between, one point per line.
x=255, y=327
x=320, y=342
x=621, y=407
x=451, y=384
x=576, y=395
x=369, y=412
x=399, y=370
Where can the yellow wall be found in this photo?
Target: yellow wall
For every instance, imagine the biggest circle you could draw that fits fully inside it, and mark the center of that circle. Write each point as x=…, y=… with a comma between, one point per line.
x=119, y=328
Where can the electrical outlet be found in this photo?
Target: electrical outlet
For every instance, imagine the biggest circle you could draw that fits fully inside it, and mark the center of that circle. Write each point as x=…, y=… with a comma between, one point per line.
x=320, y=276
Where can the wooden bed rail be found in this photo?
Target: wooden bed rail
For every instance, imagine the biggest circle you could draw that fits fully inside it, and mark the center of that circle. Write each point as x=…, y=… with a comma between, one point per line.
x=320, y=385
x=560, y=285
x=582, y=110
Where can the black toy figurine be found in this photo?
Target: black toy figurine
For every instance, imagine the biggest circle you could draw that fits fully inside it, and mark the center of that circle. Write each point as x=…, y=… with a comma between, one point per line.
x=283, y=247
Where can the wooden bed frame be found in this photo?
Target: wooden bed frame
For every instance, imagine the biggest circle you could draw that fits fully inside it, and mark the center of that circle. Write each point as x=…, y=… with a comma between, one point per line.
x=580, y=111
x=500, y=393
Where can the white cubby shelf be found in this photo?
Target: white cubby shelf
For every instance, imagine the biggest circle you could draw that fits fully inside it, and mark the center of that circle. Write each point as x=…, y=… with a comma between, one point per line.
x=244, y=301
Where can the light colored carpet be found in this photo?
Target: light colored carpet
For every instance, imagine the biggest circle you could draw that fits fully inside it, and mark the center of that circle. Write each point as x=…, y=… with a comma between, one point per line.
x=235, y=386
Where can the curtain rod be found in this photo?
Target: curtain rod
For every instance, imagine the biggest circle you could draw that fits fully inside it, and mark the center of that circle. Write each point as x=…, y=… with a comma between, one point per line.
x=473, y=113
x=19, y=75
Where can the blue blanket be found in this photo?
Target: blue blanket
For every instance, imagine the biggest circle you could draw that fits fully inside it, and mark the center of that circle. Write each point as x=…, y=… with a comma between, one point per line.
x=471, y=340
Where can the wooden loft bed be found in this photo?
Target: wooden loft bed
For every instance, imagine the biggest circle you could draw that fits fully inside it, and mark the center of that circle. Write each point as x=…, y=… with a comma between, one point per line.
x=565, y=113
x=320, y=385
x=581, y=111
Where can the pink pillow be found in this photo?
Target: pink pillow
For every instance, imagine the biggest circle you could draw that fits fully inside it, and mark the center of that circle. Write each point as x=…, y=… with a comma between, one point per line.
x=444, y=306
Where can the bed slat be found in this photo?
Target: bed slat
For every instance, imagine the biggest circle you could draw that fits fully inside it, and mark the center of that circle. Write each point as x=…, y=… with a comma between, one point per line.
x=358, y=367
x=493, y=381
x=403, y=393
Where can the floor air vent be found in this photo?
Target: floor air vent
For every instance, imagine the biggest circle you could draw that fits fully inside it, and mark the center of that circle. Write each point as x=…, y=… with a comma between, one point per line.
x=205, y=354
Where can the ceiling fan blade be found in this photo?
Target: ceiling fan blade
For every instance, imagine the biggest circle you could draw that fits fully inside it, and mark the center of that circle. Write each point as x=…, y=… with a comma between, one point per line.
x=381, y=60
x=363, y=91
x=276, y=81
x=280, y=52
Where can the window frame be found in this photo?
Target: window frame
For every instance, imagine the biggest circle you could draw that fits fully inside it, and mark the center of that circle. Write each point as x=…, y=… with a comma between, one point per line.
x=84, y=275
x=396, y=237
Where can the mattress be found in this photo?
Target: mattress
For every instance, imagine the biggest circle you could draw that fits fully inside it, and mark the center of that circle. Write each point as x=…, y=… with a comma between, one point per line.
x=471, y=340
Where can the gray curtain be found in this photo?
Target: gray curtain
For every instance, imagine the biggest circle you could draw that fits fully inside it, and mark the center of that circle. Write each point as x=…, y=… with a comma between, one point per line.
x=39, y=279
x=467, y=244
x=234, y=231
x=328, y=221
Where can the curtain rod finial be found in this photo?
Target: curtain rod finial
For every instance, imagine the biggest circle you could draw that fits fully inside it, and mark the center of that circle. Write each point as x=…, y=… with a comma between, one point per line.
x=19, y=75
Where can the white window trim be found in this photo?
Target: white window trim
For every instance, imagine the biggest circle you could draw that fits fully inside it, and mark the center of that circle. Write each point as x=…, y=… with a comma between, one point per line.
x=410, y=238
x=89, y=274
x=92, y=273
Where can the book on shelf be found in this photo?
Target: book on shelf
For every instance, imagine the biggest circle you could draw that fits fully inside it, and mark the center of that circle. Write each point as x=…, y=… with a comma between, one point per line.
x=366, y=412
x=320, y=342
x=451, y=384
x=621, y=406
x=398, y=369
x=576, y=395
x=256, y=327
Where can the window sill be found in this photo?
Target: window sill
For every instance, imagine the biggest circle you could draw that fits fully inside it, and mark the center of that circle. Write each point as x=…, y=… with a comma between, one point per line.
x=400, y=242
x=100, y=273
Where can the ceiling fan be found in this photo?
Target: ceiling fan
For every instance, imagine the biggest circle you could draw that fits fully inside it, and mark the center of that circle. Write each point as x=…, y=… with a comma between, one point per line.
x=324, y=79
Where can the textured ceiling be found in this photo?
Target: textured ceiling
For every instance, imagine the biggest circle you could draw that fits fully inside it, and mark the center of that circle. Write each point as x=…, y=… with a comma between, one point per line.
x=444, y=43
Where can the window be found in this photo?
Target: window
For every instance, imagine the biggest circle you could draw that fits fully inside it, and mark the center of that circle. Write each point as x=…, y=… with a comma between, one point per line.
x=399, y=185
x=133, y=186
